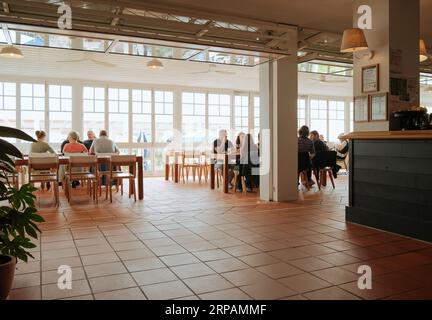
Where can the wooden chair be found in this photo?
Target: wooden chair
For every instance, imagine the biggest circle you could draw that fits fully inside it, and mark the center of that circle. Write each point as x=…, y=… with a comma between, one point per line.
x=190, y=161
x=117, y=161
x=242, y=179
x=105, y=173
x=204, y=166
x=324, y=163
x=82, y=168
x=44, y=168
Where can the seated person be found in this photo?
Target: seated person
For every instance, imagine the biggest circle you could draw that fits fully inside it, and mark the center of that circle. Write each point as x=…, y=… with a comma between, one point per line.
x=320, y=146
x=74, y=146
x=249, y=162
x=40, y=146
x=90, y=137
x=103, y=144
x=66, y=142
x=221, y=146
x=306, y=145
x=342, y=148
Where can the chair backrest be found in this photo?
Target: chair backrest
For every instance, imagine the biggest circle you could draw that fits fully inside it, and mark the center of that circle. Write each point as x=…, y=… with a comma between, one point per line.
x=123, y=160
x=79, y=160
x=304, y=161
x=325, y=159
x=108, y=155
x=43, y=161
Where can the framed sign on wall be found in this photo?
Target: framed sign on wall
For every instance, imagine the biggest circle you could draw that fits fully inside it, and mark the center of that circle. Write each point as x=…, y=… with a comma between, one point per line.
x=370, y=78
x=361, y=109
x=378, y=107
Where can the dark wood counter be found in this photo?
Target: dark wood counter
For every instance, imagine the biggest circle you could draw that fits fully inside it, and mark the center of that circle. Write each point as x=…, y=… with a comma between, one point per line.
x=390, y=182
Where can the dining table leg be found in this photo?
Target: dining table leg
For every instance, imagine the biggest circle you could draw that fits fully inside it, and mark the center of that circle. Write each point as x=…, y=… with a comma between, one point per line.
x=225, y=173
x=212, y=175
x=140, y=179
x=167, y=167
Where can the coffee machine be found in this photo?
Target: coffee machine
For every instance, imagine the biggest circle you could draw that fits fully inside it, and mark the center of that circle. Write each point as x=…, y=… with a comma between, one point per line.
x=410, y=120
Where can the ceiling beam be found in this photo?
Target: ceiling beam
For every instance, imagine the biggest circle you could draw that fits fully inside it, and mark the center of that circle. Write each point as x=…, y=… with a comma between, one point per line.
x=6, y=7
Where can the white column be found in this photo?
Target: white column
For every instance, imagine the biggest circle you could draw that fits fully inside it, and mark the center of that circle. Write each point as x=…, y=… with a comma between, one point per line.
x=278, y=94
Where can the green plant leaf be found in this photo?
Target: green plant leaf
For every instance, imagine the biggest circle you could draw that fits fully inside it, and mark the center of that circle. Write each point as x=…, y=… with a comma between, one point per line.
x=10, y=149
x=7, y=132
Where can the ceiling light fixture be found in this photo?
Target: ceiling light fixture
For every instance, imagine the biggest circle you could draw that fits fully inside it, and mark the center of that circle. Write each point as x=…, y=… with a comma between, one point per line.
x=423, y=51
x=155, y=64
x=354, y=40
x=11, y=52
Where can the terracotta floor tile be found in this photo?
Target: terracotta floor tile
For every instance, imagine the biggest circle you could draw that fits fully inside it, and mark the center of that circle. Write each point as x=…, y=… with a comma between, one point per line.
x=289, y=254
x=143, y=264
x=102, y=248
x=245, y=277
x=209, y=255
x=29, y=267
x=112, y=282
x=29, y=293
x=105, y=269
x=55, y=263
x=378, y=291
x=336, y=275
x=310, y=264
x=179, y=259
x=279, y=270
x=241, y=250
x=338, y=258
x=130, y=245
x=167, y=290
x=52, y=291
x=83, y=297
x=123, y=294
x=90, y=242
x=135, y=254
x=208, y=283
x=99, y=258
x=61, y=253
x=259, y=259
x=332, y=293
x=153, y=276
x=228, y=294
x=267, y=290
x=167, y=250
x=226, y=265
x=26, y=280
x=192, y=270
x=52, y=276
x=304, y=282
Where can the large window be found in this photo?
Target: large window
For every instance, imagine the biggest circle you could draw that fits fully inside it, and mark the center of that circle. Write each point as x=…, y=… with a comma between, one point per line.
x=8, y=104
x=241, y=116
x=164, y=116
x=336, y=116
x=32, y=107
x=142, y=116
x=93, y=109
x=301, y=112
x=193, y=118
x=219, y=114
x=118, y=114
x=257, y=121
x=60, y=112
x=318, y=116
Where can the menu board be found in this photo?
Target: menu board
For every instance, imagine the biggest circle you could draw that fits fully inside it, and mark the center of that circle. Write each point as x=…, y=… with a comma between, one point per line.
x=378, y=106
x=361, y=109
x=370, y=78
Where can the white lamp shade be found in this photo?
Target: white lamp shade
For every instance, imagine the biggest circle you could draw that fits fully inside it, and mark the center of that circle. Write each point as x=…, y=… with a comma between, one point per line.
x=423, y=51
x=353, y=40
x=155, y=64
x=11, y=52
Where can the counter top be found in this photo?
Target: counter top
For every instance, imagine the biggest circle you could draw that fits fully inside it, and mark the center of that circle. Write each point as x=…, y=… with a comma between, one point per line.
x=390, y=135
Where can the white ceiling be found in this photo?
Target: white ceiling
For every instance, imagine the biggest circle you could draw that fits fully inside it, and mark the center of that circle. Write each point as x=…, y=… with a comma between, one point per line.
x=41, y=63
x=329, y=15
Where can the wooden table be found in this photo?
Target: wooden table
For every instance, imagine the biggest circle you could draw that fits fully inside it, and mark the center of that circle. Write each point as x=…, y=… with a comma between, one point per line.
x=176, y=173
x=226, y=159
x=63, y=160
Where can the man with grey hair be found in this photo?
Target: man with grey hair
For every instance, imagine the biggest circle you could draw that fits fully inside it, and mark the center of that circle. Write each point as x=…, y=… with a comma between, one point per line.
x=103, y=144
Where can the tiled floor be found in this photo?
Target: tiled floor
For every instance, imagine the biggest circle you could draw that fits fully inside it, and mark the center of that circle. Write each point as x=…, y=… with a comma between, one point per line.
x=185, y=241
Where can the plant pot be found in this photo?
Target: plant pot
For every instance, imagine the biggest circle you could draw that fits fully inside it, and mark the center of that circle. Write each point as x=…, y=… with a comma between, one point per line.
x=7, y=271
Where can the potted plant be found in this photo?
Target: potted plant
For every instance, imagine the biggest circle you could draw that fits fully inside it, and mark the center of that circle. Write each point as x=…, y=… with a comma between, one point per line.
x=18, y=218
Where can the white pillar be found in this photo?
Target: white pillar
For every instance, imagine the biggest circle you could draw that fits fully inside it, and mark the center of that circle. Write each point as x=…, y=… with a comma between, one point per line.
x=278, y=94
